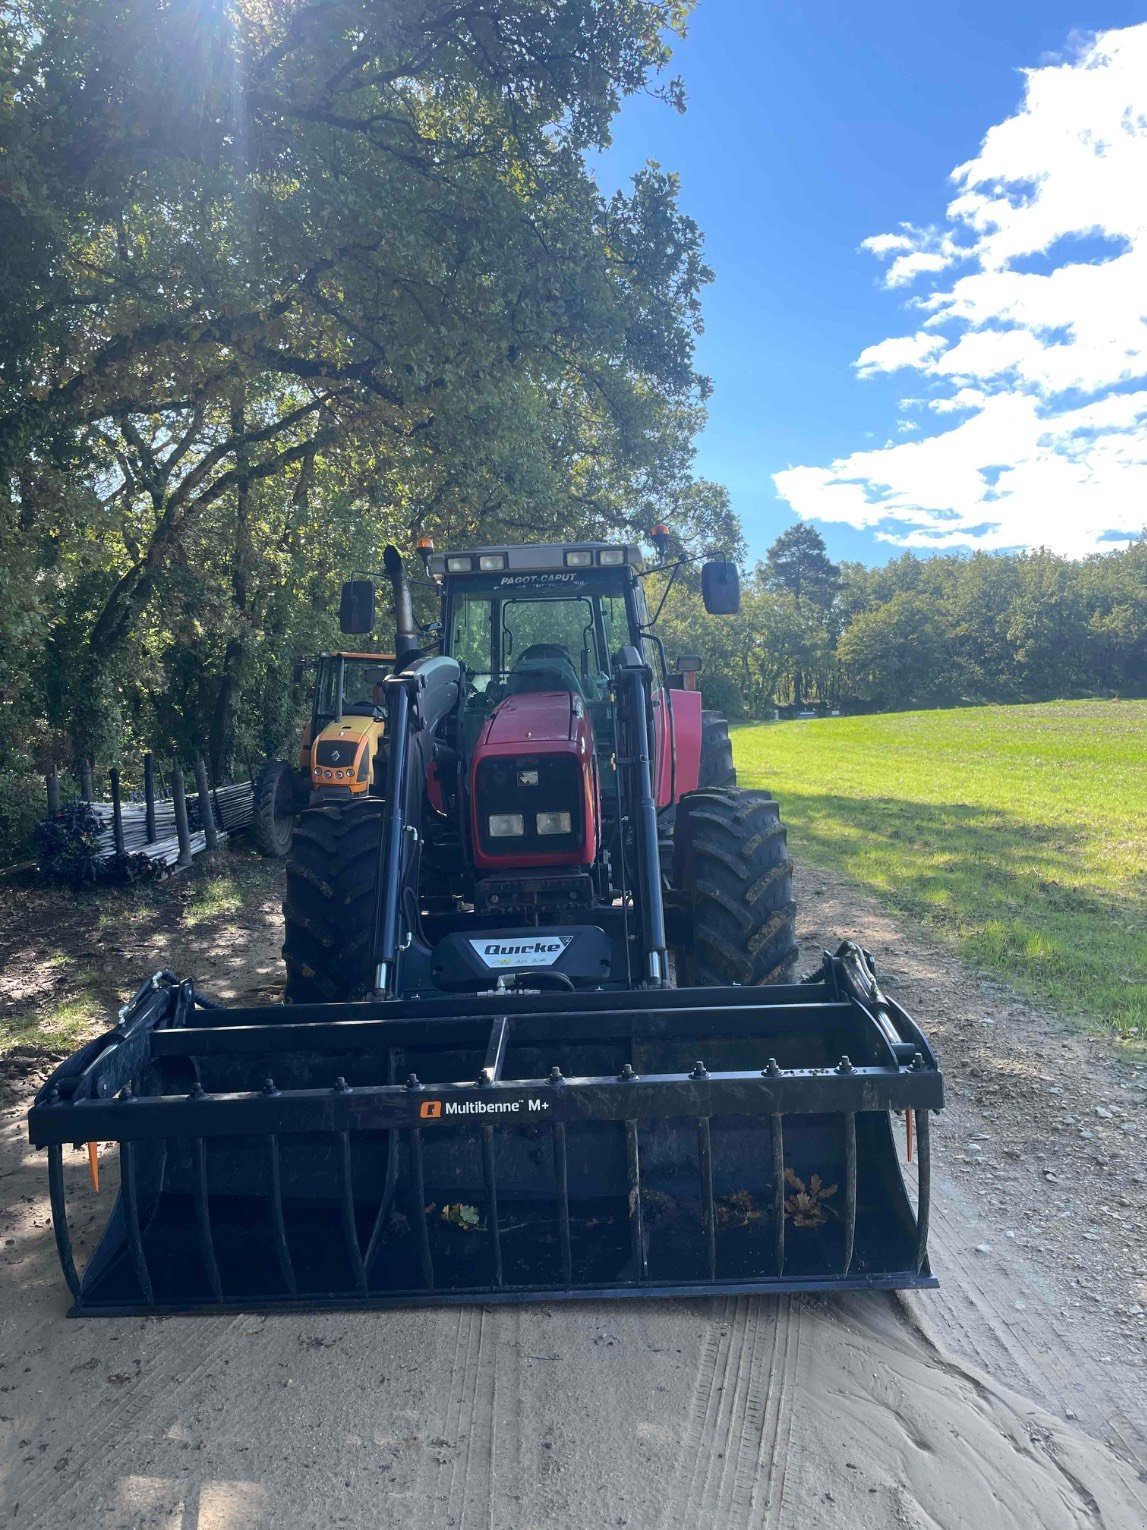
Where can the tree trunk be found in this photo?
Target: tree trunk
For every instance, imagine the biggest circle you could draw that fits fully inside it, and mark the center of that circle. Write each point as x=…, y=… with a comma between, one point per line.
x=229, y=694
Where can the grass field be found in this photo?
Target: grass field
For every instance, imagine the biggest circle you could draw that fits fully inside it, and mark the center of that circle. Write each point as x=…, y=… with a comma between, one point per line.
x=1021, y=832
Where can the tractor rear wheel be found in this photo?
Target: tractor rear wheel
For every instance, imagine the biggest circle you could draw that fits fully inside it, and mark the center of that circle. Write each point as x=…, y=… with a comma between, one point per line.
x=731, y=859
x=273, y=808
x=716, y=752
x=329, y=904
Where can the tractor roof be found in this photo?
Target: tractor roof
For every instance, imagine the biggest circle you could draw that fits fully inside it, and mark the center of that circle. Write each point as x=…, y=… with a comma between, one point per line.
x=536, y=557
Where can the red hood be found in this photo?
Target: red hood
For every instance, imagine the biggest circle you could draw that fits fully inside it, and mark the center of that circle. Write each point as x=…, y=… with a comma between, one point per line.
x=533, y=718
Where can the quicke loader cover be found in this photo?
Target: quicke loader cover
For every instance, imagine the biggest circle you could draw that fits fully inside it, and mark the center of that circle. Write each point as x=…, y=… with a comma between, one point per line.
x=498, y=1148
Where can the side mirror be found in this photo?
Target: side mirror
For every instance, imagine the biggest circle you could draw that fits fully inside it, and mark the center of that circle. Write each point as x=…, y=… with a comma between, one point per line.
x=356, y=609
x=721, y=587
x=689, y=664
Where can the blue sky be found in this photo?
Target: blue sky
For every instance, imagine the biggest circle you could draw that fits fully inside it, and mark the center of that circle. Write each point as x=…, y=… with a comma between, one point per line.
x=810, y=128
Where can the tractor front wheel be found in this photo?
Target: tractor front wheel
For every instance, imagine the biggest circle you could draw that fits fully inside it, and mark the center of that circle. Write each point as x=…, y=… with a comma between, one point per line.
x=329, y=904
x=731, y=860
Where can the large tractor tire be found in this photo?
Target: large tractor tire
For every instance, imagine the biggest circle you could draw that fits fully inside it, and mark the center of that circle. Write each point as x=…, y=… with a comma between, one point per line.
x=731, y=859
x=274, y=809
x=716, y=752
x=329, y=904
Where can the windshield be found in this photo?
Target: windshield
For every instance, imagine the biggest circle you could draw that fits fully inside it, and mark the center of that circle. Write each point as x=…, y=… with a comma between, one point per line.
x=362, y=686
x=501, y=639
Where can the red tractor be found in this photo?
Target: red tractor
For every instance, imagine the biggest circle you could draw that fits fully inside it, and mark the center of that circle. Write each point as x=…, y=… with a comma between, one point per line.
x=566, y=784
x=525, y=1054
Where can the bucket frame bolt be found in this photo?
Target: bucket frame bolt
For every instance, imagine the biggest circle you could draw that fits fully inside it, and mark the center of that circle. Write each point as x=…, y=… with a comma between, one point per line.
x=126, y=1094
x=844, y=1065
x=918, y=1062
x=556, y=1075
x=269, y=1086
x=196, y=1091
x=412, y=1081
x=627, y=1075
x=341, y=1085
x=771, y=1069
x=699, y=1070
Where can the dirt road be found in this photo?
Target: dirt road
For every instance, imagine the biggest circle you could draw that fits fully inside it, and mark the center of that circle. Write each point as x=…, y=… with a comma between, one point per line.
x=1015, y=1396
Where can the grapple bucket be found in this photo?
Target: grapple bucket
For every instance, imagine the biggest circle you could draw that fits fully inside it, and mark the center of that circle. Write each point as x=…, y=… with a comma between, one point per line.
x=502, y=1147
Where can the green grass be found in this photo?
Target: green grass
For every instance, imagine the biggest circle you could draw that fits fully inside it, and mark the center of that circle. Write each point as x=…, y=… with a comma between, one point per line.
x=1020, y=832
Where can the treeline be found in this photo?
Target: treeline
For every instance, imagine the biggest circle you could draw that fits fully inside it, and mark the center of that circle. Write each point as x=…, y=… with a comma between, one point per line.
x=921, y=632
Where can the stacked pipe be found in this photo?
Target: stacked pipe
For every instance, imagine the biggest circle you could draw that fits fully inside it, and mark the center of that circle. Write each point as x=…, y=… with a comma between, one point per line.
x=146, y=835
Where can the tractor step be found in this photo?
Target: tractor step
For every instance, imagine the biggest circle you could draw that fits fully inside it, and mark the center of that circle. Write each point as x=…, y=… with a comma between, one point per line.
x=507, y=1147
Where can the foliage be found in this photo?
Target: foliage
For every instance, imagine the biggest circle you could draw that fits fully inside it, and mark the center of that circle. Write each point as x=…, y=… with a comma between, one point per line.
x=940, y=631
x=22, y=803
x=278, y=285
x=1020, y=832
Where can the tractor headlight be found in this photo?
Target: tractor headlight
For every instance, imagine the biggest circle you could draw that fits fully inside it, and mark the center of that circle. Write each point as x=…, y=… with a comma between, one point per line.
x=611, y=557
x=490, y=563
x=554, y=823
x=459, y=565
x=507, y=825
x=580, y=557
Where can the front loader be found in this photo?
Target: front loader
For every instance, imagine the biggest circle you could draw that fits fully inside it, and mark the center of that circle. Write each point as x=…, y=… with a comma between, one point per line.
x=543, y=1035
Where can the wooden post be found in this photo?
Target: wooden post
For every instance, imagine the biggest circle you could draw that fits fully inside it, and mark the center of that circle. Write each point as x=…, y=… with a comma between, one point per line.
x=183, y=833
x=117, y=812
x=206, y=809
x=53, y=792
x=86, y=780
x=149, y=796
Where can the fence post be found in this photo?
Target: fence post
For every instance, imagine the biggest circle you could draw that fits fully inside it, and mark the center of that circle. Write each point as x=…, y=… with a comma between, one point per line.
x=86, y=780
x=149, y=796
x=53, y=792
x=183, y=833
x=206, y=808
x=117, y=812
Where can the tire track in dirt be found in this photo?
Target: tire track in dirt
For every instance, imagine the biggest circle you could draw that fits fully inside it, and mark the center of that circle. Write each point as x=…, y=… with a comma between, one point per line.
x=469, y=1448
x=736, y=1448
x=71, y=1486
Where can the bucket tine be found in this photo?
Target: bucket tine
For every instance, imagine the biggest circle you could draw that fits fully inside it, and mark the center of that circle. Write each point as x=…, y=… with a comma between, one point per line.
x=778, y=1153
x=131, y=1211
x=418, y=1190
x=390, y=1180
x=705, y=1158
x=60, y=1218
x=346, y=1196
x=849, y=1190
x=636, y=1224
x=492, y=1200
x=560, y=1175
x=924, y=1181
x=278, y=1226
x=203, y=1219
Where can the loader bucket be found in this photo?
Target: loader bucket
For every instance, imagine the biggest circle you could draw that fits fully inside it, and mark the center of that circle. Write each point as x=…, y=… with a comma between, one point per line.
x=506, y=1147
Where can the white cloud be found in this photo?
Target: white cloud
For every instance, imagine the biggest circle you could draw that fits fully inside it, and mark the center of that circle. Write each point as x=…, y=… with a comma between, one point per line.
x=905, y=351
x=1040, y=341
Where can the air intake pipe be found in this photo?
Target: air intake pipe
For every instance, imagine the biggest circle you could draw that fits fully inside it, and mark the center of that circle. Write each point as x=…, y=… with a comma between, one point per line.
x=405, y=633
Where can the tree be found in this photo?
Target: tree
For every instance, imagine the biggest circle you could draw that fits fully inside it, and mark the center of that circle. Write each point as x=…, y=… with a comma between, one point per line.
x=349, y=245
x=893, y=654
x=798, y=563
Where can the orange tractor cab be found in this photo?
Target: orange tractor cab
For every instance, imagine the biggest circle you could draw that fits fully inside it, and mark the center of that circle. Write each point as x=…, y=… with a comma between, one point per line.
x=339, y=751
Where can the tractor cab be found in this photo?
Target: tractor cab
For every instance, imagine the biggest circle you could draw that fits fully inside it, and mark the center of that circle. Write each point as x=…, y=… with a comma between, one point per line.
x=528, y=622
